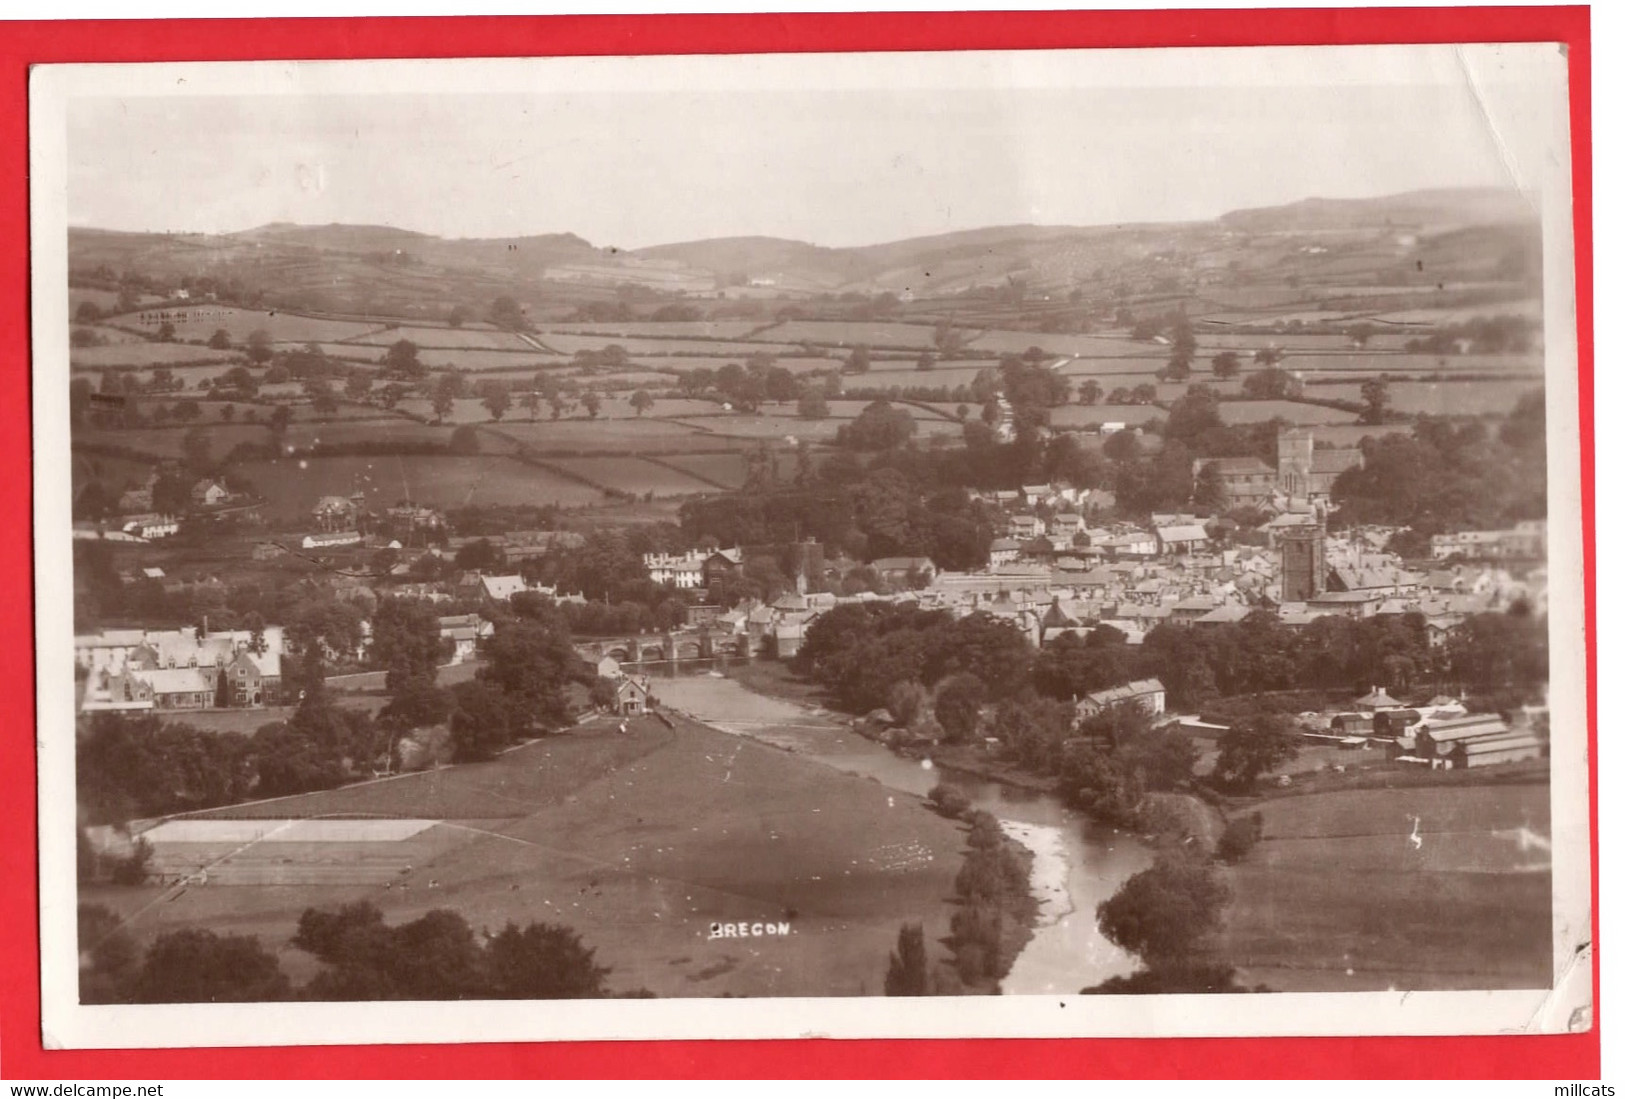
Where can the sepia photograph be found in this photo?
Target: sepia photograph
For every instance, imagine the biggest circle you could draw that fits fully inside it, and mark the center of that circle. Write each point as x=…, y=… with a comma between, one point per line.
x=1072, y=542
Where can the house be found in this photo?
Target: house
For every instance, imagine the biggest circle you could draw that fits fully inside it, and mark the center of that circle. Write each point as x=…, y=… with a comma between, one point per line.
x=333, y=513
x=210, y=493
x=902, y=570
x=1183, y=538
x=1377, y=699
x=1149, y=694
x=464, y=631
x=1066, y=526
x=719, y=566
x=1130, y=542
x=1246, y=481
x=632, y=695
x=1025, y=527
x=244, y=682
x=1003, y=551
x=685, y=570
x=178, y=688
x=500, y=589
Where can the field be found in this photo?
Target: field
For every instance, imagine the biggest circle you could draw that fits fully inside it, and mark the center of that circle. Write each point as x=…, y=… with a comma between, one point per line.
x=168, y=442
x=1337, y=895
x=199, y=322
x=291, y=486
x=1439, y=398
x=568, y=344
x=576, y=435
x=639, y=842
x=1065, y=343
x=461, y=339
x=442, y=358
x=1113, y=372
x=938, y=377
x=633, y=475
x=146, y=354
x=662, y=330
x=728, y=470
x=1366, y=364
x=1077, y=415
x=852, y=333
x=1249, y=412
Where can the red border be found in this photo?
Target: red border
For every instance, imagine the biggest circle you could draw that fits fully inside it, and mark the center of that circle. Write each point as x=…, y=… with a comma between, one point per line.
x=1559, y=1057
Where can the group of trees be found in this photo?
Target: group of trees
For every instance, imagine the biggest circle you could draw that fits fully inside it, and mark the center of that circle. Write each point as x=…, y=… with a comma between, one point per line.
x=437, y=956
x=1445, y=476
x=861, y=651
x=895, y=508
x=131, y=767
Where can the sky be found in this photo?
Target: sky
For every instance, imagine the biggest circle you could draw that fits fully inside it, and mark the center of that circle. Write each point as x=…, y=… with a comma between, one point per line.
x=836, y=166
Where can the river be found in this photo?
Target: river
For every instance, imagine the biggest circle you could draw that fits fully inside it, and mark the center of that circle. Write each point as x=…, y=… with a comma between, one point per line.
x=1077, y=863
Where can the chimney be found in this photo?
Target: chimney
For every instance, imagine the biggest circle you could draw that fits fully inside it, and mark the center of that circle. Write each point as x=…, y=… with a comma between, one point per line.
x=204, y=636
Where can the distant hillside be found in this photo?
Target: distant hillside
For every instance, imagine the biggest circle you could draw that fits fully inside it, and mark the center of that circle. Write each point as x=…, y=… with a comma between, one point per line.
x=1423, y=210
x=1460, y=234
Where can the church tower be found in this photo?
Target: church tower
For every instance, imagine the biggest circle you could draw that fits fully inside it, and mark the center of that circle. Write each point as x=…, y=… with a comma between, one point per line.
x=1303, y=563
x=1294, y=459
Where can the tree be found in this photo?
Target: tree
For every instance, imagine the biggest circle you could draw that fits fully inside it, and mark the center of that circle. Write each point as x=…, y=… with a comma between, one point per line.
x=1374, y=393
x=958, y=706
x=259, y=346
x=457, y=317
x=495, y=397
x=592, y=402
x=406, y=641
x=1240, y=835
x=465, y=439
x=907, y=702
x=193, y=966
x=221, y=340
x=358, y=386
x=88, y=312
x=445, y=397
x=506, y=313
x=811, y=405
x=1226, y=364
x=857, y=362
x=878, y=427
x=165, y=333
x=642, y=402
x=541, y=962
x=1253, y=746
x=1271, y=383
x=402, y=358
x=1090, y=391
x=1165, y=912
x=907, y=974
x=479, y=722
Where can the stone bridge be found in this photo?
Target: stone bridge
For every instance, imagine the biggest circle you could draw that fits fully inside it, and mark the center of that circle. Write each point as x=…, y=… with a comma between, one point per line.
x=670, y=647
